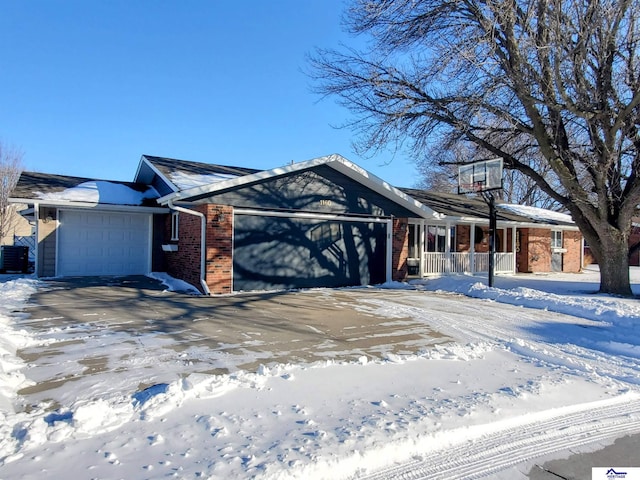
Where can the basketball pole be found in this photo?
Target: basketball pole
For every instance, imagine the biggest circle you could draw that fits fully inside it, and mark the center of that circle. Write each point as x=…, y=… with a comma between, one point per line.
x=492, y=236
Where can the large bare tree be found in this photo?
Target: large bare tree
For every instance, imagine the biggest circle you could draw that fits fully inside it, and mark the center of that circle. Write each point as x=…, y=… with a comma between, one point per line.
x=10, y=170
x=560, y=78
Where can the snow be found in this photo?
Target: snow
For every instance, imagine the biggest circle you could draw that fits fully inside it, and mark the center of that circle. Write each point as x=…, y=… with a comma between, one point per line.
x=185, y=181
x=101, y=192
x=174, y=284
x=536, y=213
x=537, y=365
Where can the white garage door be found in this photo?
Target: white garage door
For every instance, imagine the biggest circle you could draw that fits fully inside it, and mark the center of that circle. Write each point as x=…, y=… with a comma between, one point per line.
x=103, y=243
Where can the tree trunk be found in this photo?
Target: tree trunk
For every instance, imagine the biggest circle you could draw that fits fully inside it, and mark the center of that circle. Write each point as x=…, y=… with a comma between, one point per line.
x=613, y=259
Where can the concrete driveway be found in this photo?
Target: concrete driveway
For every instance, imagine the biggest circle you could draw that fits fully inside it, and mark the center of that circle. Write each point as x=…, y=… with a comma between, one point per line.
x=93, y=319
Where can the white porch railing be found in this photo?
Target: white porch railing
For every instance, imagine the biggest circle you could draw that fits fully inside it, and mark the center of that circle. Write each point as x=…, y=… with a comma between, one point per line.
x=454, y=262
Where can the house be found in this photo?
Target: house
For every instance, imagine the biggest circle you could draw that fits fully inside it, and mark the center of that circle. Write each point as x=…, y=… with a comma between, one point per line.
x=634, y=242
x=322, y=222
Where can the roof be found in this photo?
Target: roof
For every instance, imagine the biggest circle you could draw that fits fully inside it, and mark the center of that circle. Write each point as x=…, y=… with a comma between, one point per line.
x=186, y=181
x=45, y=188
x=453, y=205
x=200, y=193
x=184, y=174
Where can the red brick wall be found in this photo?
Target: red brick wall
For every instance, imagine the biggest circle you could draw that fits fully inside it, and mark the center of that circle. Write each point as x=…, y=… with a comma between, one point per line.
x=634, y=238
x=400, y=249
x=219, y=260
x=185, y=263
x=539, y=250
x=572, y=242
x=463, y=239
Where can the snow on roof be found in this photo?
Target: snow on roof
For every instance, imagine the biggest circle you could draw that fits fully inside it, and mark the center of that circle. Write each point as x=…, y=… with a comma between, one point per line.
x=536, y=213
x=184, y=180
x=101, y=191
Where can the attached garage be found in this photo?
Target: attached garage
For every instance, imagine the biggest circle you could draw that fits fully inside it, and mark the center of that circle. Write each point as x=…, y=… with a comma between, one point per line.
x=103, y=243
x=280, y=252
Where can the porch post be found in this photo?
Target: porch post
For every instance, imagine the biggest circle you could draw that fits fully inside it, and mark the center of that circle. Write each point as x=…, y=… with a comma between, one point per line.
x=421, y=253
x=513, y=248
x=472, y=248
x=447, y=245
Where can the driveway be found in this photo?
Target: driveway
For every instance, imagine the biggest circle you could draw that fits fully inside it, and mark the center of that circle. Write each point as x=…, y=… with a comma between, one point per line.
x=93, y=324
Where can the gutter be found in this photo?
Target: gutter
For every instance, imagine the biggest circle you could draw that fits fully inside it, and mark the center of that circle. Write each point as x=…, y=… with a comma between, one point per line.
x=203, y=241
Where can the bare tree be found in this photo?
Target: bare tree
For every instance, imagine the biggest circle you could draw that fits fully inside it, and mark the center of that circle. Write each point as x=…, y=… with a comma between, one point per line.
x=10, y=170
x=557, y=78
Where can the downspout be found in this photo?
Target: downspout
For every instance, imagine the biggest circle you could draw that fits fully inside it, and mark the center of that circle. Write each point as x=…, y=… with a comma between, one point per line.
x=36, y=217
x=203, y=241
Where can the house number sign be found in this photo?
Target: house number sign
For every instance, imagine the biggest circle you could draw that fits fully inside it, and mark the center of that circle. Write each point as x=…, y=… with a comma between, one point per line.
x=325, y=202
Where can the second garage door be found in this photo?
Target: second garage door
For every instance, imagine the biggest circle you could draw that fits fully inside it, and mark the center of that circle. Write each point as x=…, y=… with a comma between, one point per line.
x=103, y=243
x=282, y=253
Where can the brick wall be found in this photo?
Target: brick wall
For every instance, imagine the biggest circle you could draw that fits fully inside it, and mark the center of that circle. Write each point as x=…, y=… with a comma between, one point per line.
x=634, y=239
x=538, y=246
x=400, y=249
x=463, y=239
x=219, y=260
x=185, y=263
x=572, y=242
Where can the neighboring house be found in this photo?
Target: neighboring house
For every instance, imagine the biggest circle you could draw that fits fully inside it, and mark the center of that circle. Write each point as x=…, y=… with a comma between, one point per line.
x=634, y=240
x=323, y=222
x=18, y=226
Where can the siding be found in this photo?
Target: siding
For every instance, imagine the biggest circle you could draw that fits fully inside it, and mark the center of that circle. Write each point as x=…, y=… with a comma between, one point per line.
x=321, y=189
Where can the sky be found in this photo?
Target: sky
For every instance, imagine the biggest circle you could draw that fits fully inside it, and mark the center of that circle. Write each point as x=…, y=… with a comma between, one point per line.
x=87, y=87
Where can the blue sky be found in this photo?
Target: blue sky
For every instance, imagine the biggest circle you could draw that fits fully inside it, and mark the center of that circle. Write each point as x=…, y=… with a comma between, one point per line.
x=88, y=86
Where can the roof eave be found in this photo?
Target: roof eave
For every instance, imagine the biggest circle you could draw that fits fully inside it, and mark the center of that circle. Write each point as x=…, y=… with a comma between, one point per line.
x=84, y=205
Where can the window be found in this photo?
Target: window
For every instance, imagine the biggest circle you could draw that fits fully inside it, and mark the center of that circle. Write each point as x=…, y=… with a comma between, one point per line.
x=437, y=238
x=556, y=239
x=175, y=222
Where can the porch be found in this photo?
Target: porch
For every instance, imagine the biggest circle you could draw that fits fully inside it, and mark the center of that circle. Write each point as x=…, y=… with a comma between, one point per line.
x=436, y=249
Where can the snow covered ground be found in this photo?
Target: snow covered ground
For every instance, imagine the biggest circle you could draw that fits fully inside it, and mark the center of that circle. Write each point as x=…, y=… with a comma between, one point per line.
x=539, y=365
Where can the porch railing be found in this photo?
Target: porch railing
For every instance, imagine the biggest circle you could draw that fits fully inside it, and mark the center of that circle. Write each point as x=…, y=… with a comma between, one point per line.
x=455, y=262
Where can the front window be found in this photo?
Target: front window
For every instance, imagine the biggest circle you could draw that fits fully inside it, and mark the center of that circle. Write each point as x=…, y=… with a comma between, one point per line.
x=437, y=238
x=556, y=239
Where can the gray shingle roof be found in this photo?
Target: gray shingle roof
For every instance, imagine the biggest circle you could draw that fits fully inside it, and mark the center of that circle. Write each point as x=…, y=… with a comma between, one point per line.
x=462, y=206
x=35, y=185
x=167, y=166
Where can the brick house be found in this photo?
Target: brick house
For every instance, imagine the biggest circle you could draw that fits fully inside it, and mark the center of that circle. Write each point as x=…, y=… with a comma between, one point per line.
x=324, y=222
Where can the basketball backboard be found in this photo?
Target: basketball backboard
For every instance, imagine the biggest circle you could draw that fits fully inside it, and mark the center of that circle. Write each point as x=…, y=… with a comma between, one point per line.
x=480, y=176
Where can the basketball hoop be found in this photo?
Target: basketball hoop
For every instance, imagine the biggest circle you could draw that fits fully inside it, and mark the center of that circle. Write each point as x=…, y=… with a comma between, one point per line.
x=482, y=176
x=479, y=177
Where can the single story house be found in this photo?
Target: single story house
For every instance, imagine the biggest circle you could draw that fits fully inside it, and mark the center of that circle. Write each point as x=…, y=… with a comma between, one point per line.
x=322, y=222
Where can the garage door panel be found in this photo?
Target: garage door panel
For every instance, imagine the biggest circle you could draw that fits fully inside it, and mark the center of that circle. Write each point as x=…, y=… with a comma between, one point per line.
x=280, y=253
x=103, y=243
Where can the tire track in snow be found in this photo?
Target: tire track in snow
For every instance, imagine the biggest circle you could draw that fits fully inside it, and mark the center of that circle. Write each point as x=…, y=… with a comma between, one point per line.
x=489, y=454
x=474, y=320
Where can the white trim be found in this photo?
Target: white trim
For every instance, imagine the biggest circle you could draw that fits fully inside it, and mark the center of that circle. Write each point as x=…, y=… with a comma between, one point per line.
x=86, y=205
x=337, y=162
x=310, y=215
x=389, y=251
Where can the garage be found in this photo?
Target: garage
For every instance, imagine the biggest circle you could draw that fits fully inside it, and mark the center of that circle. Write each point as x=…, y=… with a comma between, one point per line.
x=272, y=252
x=103, y=243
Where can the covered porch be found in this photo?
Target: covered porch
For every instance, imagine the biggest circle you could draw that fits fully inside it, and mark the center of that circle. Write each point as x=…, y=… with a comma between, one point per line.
x=448, y=248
